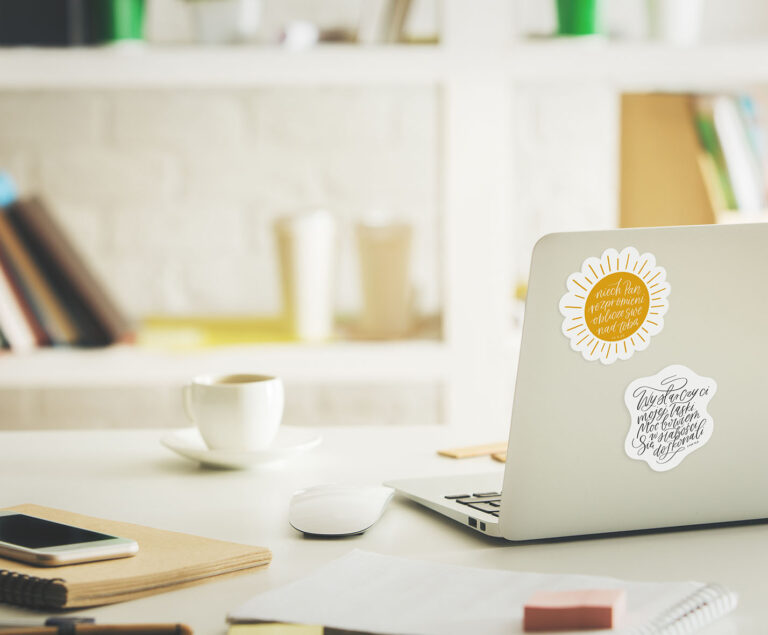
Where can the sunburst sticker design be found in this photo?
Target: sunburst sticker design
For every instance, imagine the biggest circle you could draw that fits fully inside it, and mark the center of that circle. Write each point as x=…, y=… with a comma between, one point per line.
x=615, y=305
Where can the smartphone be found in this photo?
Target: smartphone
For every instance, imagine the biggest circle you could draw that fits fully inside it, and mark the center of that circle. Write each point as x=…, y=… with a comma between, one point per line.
x=50, y=544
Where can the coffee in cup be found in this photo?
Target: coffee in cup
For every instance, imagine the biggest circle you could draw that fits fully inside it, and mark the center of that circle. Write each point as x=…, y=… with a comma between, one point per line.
x=235, y=412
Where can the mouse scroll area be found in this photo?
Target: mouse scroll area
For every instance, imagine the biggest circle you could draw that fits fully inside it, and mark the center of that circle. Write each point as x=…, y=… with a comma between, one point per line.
x=337, y=510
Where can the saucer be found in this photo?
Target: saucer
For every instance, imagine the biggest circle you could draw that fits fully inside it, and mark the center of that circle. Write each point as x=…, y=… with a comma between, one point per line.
x=289, y=442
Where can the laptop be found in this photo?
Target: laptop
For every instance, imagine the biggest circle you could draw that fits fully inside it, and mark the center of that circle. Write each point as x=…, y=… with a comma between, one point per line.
x=639, y=401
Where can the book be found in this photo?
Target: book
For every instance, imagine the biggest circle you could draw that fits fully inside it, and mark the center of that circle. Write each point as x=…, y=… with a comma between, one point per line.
x=37, y=289
x=382, y=21
x=45, y=22
x=720, y=188
x=166, y=561
x=13, y=322
x=385, y=594
x=41, y=337
x=87, y=295
x=396, y=30
x=375, y=19
x=87, y=332
x=751, y=119
x=661, y=182
x=712, y=183
x=742, y=163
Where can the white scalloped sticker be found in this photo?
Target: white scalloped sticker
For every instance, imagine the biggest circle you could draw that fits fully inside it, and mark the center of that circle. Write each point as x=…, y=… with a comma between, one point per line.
x=669, y=417
x=615, y=304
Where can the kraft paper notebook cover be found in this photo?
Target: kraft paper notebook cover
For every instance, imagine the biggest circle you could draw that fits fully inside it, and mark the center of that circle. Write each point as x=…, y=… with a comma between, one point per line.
x=166, y=561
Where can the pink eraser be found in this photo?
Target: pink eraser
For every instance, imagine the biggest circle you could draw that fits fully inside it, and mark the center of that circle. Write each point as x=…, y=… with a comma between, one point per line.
x=571, y=610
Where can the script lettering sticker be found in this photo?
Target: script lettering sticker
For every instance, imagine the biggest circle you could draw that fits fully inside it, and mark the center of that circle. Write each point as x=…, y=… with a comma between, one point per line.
x=614, y=305
x=669, y=417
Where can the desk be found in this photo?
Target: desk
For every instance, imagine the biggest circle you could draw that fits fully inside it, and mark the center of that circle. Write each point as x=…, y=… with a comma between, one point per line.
x=127, y=475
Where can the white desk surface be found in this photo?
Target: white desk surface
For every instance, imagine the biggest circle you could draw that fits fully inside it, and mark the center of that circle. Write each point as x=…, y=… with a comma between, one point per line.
x=127, y=475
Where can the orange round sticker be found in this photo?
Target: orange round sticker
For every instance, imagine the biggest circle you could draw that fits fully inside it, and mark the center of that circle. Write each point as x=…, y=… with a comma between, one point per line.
x=615, y=304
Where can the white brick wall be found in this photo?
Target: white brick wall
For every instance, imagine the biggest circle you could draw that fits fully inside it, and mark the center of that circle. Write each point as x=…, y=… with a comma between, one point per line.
x=157, y=186
x=171, y=195
x=566, y=164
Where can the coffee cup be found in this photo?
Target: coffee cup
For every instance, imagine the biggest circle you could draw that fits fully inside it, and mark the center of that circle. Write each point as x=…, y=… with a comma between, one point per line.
x=235, y=412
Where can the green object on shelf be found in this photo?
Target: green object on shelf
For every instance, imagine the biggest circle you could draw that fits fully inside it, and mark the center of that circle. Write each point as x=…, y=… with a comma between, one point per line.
x=125, y=20
x=578, y=17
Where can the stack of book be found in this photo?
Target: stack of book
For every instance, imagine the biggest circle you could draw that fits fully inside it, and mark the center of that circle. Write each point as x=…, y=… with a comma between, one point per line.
x=62, y=22
x=734, y=164
x=48, y=295
x=692, y=159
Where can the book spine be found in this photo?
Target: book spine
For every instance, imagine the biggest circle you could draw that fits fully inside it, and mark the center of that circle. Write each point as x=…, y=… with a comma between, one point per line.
x=75, y=23
x=56, y=322
x=17, y=331
x=31, y=591
x=750, y=119
x=368, y=24
x=739, y=158
x=47, y=237
x=705, y=126
x=23, y=301
x=89, y=331
x=396, y=31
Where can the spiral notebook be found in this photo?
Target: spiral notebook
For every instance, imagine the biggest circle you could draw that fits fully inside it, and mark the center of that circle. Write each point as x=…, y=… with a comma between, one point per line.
x=371, y=593
x=166, y=560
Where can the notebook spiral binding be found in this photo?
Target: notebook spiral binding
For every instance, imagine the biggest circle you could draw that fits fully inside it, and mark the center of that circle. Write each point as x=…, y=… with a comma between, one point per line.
x=702, y=607
x=27, y=590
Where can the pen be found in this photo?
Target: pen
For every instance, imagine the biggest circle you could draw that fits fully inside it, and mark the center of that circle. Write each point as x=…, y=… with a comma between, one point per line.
x=99, y=629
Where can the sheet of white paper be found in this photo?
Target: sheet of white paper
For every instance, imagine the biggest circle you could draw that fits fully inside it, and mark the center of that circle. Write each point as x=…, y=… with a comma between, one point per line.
x=398, y=596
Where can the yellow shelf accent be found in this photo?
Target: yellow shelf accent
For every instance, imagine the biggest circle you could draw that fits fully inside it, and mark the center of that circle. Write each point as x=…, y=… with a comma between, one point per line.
x=195, y=332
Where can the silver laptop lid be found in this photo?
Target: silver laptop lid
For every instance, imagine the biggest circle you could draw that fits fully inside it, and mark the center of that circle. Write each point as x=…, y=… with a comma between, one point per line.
x=657, y=418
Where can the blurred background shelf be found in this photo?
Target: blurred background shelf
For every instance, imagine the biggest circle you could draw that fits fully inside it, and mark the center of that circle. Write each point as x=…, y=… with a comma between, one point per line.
x=735, y=216
x=640, y=66
x=217, y=66
x=169, y=162
x=624, y=65
x=341, y=362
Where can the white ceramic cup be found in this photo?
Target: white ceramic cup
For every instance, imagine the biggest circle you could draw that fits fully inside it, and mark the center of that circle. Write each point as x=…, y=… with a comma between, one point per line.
x=235, y=412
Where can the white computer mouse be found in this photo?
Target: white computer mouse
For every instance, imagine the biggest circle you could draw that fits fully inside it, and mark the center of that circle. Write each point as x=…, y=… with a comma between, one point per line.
x=337, y=510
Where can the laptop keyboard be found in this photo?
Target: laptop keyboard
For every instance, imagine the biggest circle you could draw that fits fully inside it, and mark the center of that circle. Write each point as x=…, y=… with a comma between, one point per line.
x=488, y=502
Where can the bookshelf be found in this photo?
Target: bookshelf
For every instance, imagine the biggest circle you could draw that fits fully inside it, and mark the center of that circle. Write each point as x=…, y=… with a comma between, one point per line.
x=477, y=68
x=640, y=66
x=730, y=216
x=474, y=359
x=417, y=361
x=626, y=66
x=221, y=66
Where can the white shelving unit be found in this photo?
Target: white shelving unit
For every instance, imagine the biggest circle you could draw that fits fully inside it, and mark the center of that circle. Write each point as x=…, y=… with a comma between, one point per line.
x=474, y=359
x=640, y=66
x=623, y=65
x=346, y=363
x=476, y=68
x=218, y=66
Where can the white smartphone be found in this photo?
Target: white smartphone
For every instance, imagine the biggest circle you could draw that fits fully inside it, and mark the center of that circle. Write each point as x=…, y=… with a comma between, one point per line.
x=50, y=544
